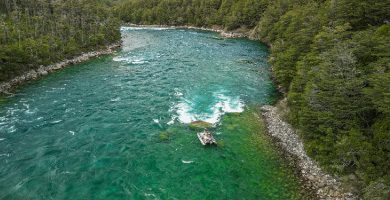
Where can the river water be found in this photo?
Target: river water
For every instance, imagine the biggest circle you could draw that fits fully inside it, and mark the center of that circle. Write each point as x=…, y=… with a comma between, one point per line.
x=116, y=127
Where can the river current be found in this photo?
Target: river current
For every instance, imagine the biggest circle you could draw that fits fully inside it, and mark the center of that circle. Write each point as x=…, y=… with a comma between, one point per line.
x=116, y=127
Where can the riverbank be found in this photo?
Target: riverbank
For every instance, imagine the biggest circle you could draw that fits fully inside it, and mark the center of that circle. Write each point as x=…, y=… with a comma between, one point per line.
x=129, y=110
x=7, y=86
x=238, y=33
x=314, y=178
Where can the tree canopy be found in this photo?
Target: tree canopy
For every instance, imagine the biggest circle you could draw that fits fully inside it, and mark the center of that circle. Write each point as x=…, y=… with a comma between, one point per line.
x=40, y=32
x=332, y=58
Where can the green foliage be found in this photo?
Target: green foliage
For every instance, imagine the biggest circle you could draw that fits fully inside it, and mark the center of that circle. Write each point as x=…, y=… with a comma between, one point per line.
x=332, y=57
x=335, y=65
x=377, y=190
x=228, y=13
x=34, y=33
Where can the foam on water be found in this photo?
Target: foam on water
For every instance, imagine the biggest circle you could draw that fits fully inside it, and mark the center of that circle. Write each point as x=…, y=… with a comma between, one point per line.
x=117, y=134
x=187, y=161
x=187, y=113
x=172, y=121
x=119, y=59
x=56, y=121
x=183, y=109
x=178, y=93
x=230, y=104
x=115, y=99
x=11, y=129
x=129, y=60
x=126, y=28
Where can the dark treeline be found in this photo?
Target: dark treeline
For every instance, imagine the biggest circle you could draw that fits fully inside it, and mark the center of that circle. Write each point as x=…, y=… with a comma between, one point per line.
x=332, y=59
x=228, y=13
x=330, y=56
x=40, y=32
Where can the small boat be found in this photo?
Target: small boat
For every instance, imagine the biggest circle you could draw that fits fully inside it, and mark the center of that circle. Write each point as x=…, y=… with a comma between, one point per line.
x=206, y=138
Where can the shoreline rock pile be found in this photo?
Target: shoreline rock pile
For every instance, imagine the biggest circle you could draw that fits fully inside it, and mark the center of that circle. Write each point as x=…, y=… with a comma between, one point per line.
x=325, y=186
x=222, y=33
x=5, y=87
x=233, y=35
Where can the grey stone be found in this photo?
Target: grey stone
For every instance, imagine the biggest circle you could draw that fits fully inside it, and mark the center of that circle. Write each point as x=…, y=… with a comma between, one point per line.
x=325, y=185
x=5, y=87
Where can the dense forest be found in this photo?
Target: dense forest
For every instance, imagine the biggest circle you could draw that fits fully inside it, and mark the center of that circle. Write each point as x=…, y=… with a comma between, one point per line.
x=40, y=32
x=231, y=14
x=331, y=57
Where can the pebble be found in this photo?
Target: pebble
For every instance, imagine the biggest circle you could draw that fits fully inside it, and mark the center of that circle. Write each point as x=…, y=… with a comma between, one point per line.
x=5, y=87
x=325, y=186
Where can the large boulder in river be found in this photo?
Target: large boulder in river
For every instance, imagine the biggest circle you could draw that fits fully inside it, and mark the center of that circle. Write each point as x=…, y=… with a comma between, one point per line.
x=200, y=125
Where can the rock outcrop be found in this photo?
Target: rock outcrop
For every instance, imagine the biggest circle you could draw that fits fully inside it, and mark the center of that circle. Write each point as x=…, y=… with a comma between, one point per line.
x=200, y=125
x=233, y=35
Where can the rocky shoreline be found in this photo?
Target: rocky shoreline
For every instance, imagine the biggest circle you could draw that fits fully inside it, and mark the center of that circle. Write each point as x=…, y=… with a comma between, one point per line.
x=223, y=33
x=324, y=185
x=5, y=87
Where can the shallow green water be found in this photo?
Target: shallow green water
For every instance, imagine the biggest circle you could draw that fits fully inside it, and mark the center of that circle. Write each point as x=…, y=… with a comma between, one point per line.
x=116, y=127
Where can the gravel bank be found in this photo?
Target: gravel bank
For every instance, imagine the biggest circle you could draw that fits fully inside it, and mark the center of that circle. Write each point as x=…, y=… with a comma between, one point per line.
x=222, y=33
x=5, y=87
x=325, y=186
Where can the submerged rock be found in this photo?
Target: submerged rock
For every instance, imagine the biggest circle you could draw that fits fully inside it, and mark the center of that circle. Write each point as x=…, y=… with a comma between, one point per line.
x=200, y=125
x=164, y=136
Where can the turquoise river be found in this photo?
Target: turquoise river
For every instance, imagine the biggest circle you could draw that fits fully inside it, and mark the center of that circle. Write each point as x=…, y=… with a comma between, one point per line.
x=117, y=127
